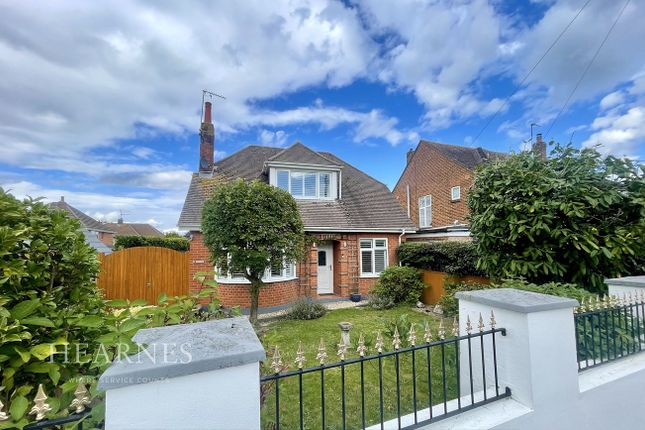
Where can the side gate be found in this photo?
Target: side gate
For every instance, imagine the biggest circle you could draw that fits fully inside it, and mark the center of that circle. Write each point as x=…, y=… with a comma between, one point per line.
x=143, y=273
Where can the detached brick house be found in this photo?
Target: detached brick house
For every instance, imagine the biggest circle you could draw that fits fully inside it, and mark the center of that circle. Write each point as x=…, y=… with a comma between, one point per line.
x=121, y=228
x=355, y=220
x=434, y=185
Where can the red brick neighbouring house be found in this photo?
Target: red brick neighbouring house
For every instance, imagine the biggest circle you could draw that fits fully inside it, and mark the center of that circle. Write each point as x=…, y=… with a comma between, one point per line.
x=355, y=220
x=434, y=185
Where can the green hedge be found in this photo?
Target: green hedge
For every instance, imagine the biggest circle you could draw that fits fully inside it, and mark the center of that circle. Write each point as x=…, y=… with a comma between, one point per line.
x=395, y=285
x=456, y=258
x=176, y=243
x=450, y=305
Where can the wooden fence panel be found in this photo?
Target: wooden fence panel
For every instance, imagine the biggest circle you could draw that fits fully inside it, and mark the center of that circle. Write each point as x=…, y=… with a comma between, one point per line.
x=144, y=273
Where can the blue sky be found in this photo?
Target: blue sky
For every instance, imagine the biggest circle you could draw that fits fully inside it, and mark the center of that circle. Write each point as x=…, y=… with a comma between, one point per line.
x=101, y=103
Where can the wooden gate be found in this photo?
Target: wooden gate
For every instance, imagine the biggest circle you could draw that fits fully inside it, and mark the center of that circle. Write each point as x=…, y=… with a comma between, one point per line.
x=144, y=273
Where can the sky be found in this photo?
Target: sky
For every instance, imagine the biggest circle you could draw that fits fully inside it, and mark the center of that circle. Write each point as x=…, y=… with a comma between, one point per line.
x=101, y=101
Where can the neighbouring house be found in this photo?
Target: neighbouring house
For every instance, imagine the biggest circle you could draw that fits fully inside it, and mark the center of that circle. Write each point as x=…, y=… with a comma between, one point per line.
x=434, y=185
x=354, y=219
x=96, y=233
x=121, y=228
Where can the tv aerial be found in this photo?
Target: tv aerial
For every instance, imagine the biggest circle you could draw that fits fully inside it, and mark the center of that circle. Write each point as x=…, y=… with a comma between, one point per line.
x=210, y=95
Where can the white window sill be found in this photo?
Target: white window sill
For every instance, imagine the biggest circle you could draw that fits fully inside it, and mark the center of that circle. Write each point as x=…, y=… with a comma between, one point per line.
x=370, y=276
x=246, y=282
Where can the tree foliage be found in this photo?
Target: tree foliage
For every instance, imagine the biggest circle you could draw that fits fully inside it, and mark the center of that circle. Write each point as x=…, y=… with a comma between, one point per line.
x=249, y=227
x=397, y=284
x=576, y=217
x=455, y=258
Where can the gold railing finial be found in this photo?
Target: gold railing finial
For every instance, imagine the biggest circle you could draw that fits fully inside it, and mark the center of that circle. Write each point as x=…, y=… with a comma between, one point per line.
x=3, y=415
x=412, y=335
x=361, y=346
x=455, y=327
x=342, y=349
x=82, y=398
x=396, y=338
x=606, y=301
x=442, y=331
x=480, y=324
x=493, y=323
x=379, y=342
x=41, y=407
x=300, y=356
x=322, y=352
x=427, y=332
x=469, y=325
x=598, y=305
x=276, y=361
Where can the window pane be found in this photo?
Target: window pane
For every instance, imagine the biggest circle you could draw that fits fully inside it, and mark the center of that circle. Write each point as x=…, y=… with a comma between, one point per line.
x=310, y=185
x=283, y=179
x=380, y=243
x=322, y=258
x=288, y=270
x=366, y=243
x=380, y=260
x=456, y=193
x=276, y=269
x=366, y=262
x=324, y=184
x=296, y=184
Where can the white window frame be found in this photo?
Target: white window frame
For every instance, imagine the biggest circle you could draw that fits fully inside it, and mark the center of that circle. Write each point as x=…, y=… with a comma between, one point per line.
x=425, y=211
x=452, y=193
x=304, y=173
x=267, y=278
x=372, y=248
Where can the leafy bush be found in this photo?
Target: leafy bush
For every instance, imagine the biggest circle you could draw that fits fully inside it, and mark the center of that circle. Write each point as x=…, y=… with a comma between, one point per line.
x=55, y=326
x=574, y=218
x=303, y=309
x=398, y=284
x=455, y=258
x=172, y=242
x=380, y=301
x=450, y=305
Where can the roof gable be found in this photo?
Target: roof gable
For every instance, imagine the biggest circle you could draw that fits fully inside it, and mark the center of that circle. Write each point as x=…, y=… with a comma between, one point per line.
x=467, y=157
x=300, y=154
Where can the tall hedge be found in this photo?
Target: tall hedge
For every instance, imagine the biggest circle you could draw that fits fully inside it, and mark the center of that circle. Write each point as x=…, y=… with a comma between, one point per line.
x=574, y=218
x=176, y=243
x=456, y=258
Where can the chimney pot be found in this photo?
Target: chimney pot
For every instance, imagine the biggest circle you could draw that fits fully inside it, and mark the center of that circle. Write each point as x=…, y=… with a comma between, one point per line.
x=206, y=142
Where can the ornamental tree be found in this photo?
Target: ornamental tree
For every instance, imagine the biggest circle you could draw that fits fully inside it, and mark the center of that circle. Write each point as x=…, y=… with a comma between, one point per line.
x=575, y=217
x=249, y=227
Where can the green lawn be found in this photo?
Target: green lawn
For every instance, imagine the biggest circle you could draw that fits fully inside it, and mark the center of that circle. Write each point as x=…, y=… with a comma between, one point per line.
x=286, y=334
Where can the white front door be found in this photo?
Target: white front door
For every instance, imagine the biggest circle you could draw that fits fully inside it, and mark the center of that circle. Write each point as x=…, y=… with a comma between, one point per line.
x=325, y=269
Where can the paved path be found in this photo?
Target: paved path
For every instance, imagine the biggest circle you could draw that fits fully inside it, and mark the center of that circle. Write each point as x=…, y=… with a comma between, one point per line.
x=331, y=305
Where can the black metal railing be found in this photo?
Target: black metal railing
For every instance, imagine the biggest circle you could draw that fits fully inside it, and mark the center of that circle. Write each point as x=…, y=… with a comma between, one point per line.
x=420, y=382
x=65, y=422
x=609, y=329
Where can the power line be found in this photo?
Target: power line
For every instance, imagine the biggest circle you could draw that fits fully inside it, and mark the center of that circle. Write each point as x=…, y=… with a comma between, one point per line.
x=584, y=72
x=564, y=30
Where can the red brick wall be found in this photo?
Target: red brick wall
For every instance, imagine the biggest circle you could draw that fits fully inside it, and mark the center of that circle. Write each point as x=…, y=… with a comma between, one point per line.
x=346, y=271
x=431, y=173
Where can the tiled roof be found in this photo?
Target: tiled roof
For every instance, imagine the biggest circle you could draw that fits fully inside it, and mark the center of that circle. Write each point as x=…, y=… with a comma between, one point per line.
x=134, y=229
x=467, y=157
x=299, y=153
x=92, y=240
x=365, y=203
x=86, y=221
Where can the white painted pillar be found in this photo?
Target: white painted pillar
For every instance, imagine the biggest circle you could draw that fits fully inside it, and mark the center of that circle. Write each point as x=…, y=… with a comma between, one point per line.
x=626, y=285
x=190, y=376
x=537, y=357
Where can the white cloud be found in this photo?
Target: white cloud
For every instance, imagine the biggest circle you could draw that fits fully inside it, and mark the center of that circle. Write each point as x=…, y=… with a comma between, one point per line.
x=273, y=138
x=619, y=134
x=612, y=99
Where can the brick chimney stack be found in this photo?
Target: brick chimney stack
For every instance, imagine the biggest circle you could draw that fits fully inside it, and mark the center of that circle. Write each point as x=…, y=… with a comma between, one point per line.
x=539, y=147
x=409, y=155
x=206, y=141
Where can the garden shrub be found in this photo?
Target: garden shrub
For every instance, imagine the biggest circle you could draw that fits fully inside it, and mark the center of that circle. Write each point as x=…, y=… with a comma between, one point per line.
x=398, y=284
x=303, y=309
x=574, y=218
x=171, y=242
x=49, y=300
x=450, y=305
x=453, y=257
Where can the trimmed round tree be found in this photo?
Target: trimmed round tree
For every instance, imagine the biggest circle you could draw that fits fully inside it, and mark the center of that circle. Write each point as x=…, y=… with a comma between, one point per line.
x=249, y=227
x=576, y=217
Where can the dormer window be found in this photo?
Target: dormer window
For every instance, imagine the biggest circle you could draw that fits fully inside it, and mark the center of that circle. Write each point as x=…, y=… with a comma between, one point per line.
x=303, y=184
